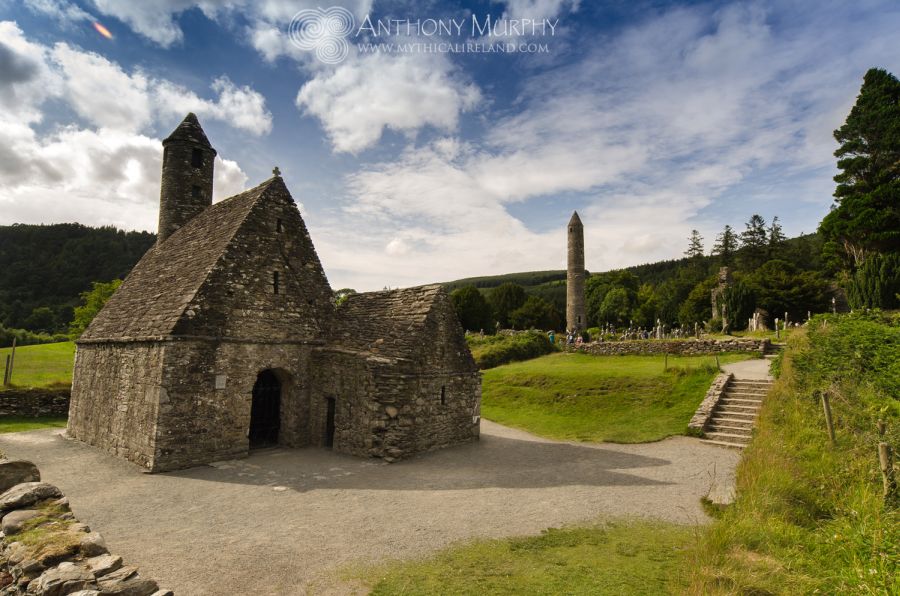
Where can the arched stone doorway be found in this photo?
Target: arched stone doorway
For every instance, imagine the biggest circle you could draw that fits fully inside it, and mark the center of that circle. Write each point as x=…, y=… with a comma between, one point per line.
x=265, y=410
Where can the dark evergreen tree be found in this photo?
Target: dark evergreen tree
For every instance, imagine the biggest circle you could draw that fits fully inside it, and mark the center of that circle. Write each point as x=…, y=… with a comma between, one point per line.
x=504, y=299
x=776, y=239
x=474, y=312
x=754, y=243
x=726, y=245
x=875, y=283
x=695, y=245
x=536, y=313
x=865, y=216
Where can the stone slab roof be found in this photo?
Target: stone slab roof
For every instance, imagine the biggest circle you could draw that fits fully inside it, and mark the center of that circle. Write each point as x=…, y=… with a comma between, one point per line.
x=387, y=323
x=159, y=288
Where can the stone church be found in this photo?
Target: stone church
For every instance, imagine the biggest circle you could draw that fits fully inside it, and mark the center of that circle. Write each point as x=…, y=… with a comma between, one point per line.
x=225, y=337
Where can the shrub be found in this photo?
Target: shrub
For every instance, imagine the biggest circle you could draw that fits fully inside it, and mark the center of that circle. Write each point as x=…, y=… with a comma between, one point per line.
x=498, y=350
x=28, y=338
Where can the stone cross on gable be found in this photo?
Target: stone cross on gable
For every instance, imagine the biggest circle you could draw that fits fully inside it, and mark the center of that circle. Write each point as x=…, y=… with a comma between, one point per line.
x=276, y=171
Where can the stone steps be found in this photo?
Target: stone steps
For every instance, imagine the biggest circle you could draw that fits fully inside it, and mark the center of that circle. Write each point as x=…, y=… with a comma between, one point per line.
x=732, y=420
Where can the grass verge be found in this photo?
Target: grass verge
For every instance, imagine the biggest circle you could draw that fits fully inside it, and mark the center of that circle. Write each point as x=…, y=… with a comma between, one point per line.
x=41, y=365
x=15, y=424
x=634, y=557
x=810, y=518
x=625, y=399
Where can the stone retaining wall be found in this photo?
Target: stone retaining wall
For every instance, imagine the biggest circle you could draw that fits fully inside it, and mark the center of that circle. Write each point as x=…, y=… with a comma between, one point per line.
x=686, y=347
x=31, y=403
x=60, y=555
x=713, y=395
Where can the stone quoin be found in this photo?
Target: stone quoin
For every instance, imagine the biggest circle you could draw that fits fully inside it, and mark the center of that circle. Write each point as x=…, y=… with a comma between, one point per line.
x=225, y=336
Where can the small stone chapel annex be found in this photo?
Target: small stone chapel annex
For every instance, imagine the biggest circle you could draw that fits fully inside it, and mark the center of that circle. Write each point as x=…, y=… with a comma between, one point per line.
x=226, y=337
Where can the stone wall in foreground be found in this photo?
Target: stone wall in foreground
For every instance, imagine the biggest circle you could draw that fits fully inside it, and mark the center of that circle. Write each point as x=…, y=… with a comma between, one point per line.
x=32, y=403
x=685, y=347
x=46, y=552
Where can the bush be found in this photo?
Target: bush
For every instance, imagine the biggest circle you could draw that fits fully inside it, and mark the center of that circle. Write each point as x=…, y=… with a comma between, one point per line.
x=497, y=350
x=28, y=338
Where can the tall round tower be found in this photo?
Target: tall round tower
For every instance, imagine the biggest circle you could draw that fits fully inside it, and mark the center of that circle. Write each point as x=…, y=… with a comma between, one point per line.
x=576, y=320
x=187, y=176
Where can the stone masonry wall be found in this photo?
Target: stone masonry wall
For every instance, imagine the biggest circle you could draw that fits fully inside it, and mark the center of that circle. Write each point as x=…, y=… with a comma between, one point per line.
x=61, y=555
x=687, y=347
x=31, y=403
x=207, y=396
x=713, y=395
x=115, y=397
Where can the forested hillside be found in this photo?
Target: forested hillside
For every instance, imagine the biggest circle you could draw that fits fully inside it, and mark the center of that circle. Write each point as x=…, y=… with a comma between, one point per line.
x=44, y=269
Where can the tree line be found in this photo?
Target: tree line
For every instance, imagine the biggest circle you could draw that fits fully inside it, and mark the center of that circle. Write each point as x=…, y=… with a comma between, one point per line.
x=854, y=258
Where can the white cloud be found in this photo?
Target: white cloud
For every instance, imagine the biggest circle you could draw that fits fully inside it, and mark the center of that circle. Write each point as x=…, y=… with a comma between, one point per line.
x=59, y=9
x=101, y=92
x=104, y=94
x=104, y=175
x=366, y=95
x=655, y=130
x=26, y=80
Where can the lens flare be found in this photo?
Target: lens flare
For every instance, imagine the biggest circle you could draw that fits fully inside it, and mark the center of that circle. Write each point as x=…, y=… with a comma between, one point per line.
x=103, y=31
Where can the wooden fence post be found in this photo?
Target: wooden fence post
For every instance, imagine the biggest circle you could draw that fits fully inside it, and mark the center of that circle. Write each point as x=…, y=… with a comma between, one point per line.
x=718, y=366
x=826, y=405
x=886, y=459
x=666, y=365
x=12, y=363
x=881, y=427
x=6, y=372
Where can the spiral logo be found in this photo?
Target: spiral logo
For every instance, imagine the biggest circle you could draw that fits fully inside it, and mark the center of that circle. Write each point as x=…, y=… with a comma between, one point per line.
x=323, y=30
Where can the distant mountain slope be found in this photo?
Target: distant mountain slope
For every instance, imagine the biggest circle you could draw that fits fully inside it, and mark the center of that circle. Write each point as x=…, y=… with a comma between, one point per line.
x=50, y=265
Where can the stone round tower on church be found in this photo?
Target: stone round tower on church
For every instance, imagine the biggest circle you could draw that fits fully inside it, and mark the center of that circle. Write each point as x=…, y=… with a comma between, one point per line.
x=576, y=320
x=187, y=176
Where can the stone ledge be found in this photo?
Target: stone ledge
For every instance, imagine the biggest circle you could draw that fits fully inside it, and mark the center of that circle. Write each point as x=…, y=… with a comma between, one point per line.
x=45, y=551
x=32, y=403
x=686, y=347
x=713, y=395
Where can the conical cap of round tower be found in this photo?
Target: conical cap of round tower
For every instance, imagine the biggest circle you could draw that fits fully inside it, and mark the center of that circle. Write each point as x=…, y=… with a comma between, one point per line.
x=575, y=221
x=190, y=131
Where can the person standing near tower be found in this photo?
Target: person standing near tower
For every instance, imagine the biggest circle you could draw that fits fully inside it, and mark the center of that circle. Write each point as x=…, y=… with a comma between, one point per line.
x=576, y=320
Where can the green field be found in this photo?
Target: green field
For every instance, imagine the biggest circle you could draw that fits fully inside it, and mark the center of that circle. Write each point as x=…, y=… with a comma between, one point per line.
x=15, y=424
x=41, y=365
x=625, y=399
x=620, y=558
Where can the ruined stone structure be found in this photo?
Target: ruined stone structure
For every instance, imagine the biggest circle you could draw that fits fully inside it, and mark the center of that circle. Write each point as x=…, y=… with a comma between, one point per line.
x=576, y=319
x=225, y=337
x=723, y=282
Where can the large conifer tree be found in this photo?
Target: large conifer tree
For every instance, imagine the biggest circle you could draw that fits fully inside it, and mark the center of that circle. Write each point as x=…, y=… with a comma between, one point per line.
x=865, y=217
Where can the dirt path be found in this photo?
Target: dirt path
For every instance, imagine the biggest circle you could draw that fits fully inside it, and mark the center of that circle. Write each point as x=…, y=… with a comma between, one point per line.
x=280, y=519
x=747, y=370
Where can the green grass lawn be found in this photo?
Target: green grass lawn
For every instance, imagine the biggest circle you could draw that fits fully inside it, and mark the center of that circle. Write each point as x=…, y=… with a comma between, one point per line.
x=41, y=365
x=622, y=558
x=14, y=424
x=625, y=399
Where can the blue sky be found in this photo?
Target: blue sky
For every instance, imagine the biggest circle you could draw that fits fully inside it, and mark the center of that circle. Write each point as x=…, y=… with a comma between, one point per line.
x=650, y=118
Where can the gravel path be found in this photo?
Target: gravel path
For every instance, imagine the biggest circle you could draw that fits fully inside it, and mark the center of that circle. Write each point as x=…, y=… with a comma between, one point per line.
x=282, y=520
x=748, y=370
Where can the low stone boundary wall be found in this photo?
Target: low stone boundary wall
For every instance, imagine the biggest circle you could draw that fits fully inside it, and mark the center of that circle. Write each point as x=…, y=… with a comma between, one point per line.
x=46, y=552
x=713, y=395
x=32, y=403
x=687, y=347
